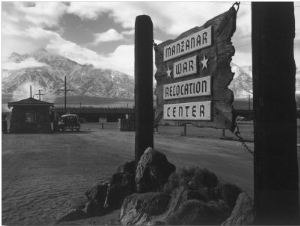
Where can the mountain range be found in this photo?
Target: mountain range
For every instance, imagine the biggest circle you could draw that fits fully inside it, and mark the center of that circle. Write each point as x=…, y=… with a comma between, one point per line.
x=47, y=71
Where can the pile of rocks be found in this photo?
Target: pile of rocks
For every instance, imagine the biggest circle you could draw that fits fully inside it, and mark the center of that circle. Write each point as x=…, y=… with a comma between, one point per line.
x=148, y=196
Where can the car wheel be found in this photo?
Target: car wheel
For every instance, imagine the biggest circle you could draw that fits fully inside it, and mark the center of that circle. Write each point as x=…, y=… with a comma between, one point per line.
x=72, y=130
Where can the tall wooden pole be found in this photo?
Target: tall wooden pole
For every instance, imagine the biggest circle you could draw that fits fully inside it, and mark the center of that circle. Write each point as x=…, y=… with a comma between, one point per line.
x=276, y=194
x=65, y=94
x=65, y=91
x=143, y=85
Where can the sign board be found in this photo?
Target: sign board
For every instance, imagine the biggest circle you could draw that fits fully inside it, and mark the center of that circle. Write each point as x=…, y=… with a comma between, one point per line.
x=102, y=120
x=191, y=43
x=188, y=111
x=190, y=88
x=193, y=74
x=185, y=67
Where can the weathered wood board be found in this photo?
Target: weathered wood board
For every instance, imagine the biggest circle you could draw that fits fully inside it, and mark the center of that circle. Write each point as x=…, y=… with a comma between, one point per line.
x=184, y=66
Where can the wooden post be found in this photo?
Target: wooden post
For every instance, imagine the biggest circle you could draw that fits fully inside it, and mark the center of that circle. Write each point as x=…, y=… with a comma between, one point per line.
x=65, y=90
x=276, y=194
x=65, y=94
x=183, y=130
x=143, y=85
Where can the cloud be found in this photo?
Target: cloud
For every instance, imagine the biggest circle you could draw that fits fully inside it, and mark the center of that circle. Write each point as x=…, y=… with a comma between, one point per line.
x=108, y=36
x=129, y=32
x=170, y=17
x=29, y=62
x=41, y=13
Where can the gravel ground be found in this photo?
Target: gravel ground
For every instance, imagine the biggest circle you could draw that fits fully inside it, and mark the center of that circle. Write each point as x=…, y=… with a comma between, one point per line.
x=45, y=175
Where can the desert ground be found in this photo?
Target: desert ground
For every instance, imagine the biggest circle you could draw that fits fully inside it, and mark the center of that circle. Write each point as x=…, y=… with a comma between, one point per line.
x=45, y=175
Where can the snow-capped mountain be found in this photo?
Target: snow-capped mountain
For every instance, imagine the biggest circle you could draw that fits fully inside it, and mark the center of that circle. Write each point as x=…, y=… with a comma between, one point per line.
x=47, y=71
x=241, y=84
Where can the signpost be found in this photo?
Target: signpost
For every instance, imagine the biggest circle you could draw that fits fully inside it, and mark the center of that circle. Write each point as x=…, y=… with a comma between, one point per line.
x=193, y=74
x=102, y=121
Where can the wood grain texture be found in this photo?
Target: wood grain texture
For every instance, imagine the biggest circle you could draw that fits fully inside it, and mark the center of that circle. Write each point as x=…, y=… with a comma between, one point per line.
x=219, y=57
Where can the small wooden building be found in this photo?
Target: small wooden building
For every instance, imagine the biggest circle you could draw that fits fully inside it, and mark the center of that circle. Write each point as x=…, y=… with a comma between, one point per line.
x=30, y=116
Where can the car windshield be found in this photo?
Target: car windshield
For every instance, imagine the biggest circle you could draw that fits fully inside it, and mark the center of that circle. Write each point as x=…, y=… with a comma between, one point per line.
x=70, y=119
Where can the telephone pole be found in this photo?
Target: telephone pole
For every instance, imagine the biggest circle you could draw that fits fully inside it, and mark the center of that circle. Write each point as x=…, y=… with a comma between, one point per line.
x=39, y=94
x=65, y=90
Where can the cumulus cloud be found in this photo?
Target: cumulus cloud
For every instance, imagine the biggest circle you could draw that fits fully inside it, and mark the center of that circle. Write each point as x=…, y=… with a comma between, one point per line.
x=29, y=62
x=108, y=36
x=171, y=17
x=128, y=32
x=41, y=13
x=23, y=28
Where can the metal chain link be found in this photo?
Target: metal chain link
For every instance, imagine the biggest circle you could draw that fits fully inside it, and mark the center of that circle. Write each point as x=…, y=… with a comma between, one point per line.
x=237, y=134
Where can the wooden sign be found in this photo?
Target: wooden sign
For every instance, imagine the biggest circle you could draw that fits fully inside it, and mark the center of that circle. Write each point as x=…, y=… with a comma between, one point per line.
x=193, y=42
x=193, y=74
x=188, y=111
x=190, y=88
x=185, y=67
x=102, y=120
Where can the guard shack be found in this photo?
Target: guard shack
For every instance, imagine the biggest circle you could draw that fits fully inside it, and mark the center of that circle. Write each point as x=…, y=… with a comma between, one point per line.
x=30, y=116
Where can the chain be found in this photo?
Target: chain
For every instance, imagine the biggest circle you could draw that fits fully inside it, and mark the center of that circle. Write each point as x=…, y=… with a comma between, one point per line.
x=237, y=134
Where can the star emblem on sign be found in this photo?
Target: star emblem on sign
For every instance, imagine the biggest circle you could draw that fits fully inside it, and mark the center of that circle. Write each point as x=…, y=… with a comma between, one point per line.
x=204, y=62
x=169, y=73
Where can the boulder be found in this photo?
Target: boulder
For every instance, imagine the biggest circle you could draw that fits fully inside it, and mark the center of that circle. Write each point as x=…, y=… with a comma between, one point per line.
x=137, y=209
x=230, y=193
x=153, y=171
x=74, y=215
x=96, y=196
x=128, y=167
x=243, y=212
x=177, y=199
x=98, y=192
x=196, y=212
x=121, y=185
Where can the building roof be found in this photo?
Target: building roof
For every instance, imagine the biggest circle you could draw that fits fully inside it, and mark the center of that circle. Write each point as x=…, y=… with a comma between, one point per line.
x=90, y=110
x=29, y=102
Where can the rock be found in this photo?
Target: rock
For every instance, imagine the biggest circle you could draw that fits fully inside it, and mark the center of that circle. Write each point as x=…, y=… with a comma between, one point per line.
x=137, y=209
x=96, y=196
x=128, y=167
x=93, y=209
x=98, y=192
x=176, y=200
x=230, y=193
x=121, y=185
x=243, y=212
x=153, y=171
x=196, y=212
x=189, y=195
x=72, y=216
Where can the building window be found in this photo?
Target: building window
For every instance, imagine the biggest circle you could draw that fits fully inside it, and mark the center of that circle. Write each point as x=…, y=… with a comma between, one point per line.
x=30, y=117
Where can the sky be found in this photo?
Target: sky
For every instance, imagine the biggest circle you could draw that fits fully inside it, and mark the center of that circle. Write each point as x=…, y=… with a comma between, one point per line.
x=102, y=33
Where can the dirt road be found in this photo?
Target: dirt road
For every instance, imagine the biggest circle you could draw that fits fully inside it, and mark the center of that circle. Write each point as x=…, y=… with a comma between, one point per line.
x=43, y=175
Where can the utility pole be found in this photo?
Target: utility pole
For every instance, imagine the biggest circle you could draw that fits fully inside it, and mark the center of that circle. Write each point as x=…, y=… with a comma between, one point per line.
x=65, y=90
x=249, y=102
x=276, y=191
x=39, y=94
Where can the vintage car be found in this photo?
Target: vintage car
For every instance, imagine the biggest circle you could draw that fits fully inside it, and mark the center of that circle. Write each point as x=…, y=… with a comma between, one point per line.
x=69, y=121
